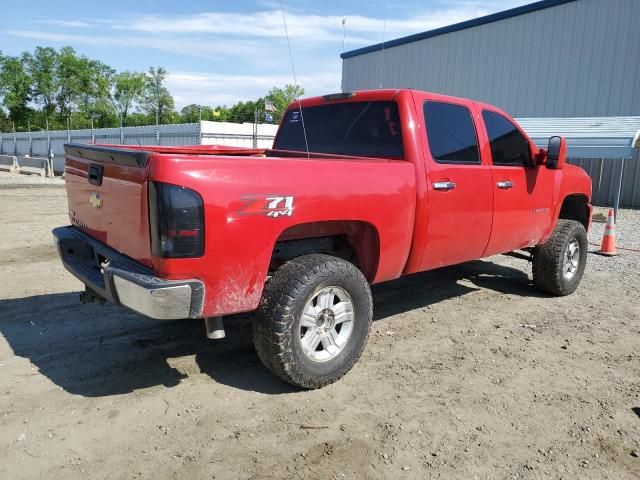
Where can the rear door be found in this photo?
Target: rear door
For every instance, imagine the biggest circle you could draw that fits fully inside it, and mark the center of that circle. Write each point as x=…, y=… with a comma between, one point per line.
x=459, y=193
x=522, y=191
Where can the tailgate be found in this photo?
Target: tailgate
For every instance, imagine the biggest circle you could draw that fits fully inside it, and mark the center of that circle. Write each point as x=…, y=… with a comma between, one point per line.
x=107, y=196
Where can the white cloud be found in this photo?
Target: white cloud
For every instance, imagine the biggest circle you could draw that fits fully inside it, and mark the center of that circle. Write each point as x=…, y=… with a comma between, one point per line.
x=314, y=28
x=194, y=47
x=69, y=23
x=221, y=89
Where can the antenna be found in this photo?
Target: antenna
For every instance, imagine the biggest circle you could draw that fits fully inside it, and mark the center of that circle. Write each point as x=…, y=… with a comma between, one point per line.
x=295, y=81
x=384, y=31
x=344, y=37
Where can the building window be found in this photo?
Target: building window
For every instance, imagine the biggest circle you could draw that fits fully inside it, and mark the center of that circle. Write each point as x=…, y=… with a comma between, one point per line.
x=451, y=134
x=508, y=145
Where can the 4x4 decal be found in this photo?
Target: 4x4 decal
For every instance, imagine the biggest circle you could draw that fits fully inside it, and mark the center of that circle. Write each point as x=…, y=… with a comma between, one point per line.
x=269, y=205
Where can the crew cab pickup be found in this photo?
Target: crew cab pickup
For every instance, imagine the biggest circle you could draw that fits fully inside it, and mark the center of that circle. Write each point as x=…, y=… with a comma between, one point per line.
x=359, y=188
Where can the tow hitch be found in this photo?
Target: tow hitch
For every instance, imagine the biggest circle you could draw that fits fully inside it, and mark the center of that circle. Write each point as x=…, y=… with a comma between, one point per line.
x=89, y=296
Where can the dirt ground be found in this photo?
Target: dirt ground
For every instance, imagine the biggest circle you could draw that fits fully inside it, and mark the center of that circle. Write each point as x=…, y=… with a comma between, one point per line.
x=469, y=373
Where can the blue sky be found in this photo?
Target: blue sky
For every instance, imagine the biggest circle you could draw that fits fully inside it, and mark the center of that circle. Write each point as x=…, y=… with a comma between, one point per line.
x=219, y=52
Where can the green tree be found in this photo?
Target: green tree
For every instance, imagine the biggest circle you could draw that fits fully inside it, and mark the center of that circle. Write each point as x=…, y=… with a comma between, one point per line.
x=281, y=98
x=92, y=101
x=137, y=119
x=157, y=100
x=15, y=89
x=83, y=90
x=193, y=113
x=41, y=67
x=5, y=123
x=68, y=71
x=67, y=87
x=243, y=112
x=220, y=114
x=127, y=88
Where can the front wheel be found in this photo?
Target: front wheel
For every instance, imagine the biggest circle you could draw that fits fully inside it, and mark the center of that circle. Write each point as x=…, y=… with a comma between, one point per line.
x=559, y=264
x=313, y=320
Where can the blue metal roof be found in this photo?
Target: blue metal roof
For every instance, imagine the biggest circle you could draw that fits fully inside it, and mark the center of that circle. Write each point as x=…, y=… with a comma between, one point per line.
x=514, y=12
x=588, y=137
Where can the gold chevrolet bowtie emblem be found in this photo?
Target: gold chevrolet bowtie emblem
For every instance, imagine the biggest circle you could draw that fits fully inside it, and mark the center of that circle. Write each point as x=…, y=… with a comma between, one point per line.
x=95, y=200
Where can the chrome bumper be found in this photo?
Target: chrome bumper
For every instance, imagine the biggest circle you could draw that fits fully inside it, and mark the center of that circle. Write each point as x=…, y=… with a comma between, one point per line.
x=123, y=281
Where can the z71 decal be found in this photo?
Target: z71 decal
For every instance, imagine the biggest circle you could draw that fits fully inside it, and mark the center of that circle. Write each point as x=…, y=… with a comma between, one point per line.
x=268, y=205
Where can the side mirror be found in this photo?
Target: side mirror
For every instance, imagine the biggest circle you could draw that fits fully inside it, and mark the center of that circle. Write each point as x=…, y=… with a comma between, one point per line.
x=556, y=153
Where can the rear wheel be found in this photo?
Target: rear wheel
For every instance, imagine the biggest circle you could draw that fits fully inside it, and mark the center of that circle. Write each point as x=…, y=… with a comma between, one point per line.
x=313, y=320
x=559, y=264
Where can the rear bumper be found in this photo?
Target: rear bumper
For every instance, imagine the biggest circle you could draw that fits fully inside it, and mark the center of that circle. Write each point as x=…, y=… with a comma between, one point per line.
x=123, y=281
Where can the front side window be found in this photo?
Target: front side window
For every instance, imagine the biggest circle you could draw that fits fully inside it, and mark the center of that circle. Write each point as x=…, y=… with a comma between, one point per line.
x=367, y=129
x=451, y=133
x=508, y=145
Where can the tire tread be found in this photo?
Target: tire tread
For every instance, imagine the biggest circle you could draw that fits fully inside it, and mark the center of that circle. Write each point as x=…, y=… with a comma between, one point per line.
x=273, y=326
x=547, y=259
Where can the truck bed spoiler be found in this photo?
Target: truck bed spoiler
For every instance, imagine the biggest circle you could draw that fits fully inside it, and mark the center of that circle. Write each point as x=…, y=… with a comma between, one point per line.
x=105, y=154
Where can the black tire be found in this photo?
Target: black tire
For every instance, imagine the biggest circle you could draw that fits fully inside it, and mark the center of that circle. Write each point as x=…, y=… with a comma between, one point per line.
x=276, y=329
x=549, y=259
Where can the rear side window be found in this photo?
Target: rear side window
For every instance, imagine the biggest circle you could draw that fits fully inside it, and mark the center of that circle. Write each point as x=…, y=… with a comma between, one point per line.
x=451, y=133
x=367, y=129
x=508, y=145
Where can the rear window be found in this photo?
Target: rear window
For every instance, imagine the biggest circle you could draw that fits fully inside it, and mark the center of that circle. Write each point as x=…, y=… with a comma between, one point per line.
x=367, y=129
x=451, y=133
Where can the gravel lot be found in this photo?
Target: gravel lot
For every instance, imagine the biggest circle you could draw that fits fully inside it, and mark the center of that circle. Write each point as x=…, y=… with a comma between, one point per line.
x=469, y=373
x=12, y=180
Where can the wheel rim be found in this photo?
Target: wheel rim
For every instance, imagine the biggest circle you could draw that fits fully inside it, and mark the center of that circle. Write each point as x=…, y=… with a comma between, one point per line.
x=571, y=259
x=326, y=323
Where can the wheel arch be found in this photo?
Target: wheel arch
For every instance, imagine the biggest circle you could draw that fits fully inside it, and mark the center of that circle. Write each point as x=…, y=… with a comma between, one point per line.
x=353, y=240
x=575, y=206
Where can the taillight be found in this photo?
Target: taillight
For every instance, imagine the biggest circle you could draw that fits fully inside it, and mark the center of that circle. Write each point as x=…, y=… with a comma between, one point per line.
x=176, y=219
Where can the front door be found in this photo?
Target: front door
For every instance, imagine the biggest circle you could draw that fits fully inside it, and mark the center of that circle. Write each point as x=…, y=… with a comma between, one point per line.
x=459, y=196
x=522, y=191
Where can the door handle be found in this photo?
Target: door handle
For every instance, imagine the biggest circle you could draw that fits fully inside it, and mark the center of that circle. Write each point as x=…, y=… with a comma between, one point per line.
x=444, y=186
x=505, y=185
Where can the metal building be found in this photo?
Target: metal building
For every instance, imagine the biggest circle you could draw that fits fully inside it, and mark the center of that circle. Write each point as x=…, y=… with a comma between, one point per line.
x=543, y=62
x=553, y=58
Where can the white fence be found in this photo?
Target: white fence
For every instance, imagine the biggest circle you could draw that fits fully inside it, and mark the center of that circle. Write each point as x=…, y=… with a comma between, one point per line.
x=39, y=144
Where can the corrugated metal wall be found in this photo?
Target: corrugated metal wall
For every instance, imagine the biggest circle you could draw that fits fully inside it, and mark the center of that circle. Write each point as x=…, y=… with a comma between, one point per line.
x=605, y=174
x=209, y=133
x=578, y=59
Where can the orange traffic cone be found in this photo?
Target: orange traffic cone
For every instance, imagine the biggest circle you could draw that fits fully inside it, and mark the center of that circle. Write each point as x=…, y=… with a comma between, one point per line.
x=608, y=246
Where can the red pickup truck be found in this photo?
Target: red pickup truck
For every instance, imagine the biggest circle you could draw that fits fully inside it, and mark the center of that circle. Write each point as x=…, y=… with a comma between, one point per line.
x=359, y=188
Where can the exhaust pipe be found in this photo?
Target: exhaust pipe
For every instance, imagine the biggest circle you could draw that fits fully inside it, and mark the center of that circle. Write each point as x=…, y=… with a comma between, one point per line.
x=215, y=328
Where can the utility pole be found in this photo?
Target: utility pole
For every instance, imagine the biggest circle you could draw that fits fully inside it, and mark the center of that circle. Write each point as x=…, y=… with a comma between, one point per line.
x=30, y=138
x=157, y=126
x=69, y=127
x=255, y=127
x=121, y=128
x=46, y=121
x=199, y=126
x=93, y=132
